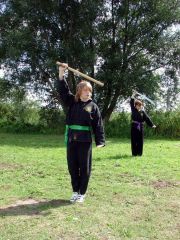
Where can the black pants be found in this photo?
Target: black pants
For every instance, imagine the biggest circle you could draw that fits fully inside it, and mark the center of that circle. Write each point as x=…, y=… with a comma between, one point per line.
x=137, y=140
x=79, y=157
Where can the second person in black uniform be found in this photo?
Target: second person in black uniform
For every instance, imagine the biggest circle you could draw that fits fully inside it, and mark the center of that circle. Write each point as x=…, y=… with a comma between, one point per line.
x=138, y=117
x=83, y=118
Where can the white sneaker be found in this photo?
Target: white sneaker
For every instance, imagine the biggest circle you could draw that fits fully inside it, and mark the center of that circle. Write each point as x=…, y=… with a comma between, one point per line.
x=74, y=197
x=80, y=198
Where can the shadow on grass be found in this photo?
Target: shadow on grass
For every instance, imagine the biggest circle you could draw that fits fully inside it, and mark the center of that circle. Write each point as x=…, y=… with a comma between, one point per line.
x=120, y=156
x=36, y=208
x=115, y=157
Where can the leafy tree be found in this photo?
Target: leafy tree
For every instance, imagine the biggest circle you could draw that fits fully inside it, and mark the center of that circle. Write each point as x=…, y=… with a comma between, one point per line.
x=133, y=43
x=170, y=89
x=34, y=34
x=126, y=40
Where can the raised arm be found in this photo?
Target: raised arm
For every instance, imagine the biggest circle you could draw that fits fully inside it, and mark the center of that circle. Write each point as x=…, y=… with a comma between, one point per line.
x=132, y=100
x=63, y=88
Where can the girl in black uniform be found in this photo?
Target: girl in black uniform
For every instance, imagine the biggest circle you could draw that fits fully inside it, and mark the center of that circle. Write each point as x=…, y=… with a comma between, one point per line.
x=83, y=118
x=138, y=117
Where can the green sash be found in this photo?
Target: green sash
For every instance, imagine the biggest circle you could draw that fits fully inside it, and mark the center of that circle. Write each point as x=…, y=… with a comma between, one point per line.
x=75, y=127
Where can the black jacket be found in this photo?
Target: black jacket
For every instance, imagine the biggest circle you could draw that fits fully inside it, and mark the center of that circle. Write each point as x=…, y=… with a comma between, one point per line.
x=81, y=113
x=139, y=116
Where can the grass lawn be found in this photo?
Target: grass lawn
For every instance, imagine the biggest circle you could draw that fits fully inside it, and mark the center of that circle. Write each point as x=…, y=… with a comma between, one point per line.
x=128, y=197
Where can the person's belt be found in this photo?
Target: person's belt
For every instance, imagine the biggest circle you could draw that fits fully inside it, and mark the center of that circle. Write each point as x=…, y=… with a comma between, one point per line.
x=138, y=124
x=75, y=127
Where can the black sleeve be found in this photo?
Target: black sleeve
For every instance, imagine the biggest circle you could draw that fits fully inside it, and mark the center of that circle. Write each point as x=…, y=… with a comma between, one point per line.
x=147, y=119
x=97, y=126
x=64, y=92
x=132, y=104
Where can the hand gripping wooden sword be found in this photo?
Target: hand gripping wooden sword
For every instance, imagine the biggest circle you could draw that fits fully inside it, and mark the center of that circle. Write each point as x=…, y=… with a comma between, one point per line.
x=144, y=97
x=82, y=74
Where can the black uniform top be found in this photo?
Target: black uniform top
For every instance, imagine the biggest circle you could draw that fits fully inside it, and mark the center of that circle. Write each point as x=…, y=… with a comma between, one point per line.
x=81, y=113
x=139, y=116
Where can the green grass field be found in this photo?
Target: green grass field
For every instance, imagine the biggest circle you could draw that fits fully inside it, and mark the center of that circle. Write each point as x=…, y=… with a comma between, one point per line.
x=128, y=197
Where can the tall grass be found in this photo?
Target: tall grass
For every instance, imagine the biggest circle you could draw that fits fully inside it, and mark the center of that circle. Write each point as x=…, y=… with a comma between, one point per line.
x=30, y=118
x=119, y=125
x=168, y=125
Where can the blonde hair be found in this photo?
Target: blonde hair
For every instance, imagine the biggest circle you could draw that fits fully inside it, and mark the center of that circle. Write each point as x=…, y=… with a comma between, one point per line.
x=80, y=87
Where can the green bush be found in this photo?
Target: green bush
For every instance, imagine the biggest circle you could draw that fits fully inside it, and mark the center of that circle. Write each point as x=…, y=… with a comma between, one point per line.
x=118, y=126
x=52, y=120
x=30, y=118
x=168, y=125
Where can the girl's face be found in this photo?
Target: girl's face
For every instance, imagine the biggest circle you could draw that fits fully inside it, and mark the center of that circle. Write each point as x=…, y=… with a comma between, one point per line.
x=138, y=107
x=85, y=94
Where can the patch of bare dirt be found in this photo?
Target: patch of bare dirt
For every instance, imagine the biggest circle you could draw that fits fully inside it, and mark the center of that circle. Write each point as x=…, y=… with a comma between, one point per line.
x=25, y=202
x=177, y=145
x=164, y=184
x=7, y=166
x=5, y=187
x=178, y=226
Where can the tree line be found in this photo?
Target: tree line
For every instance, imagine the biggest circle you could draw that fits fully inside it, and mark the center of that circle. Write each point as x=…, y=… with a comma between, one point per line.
x=121, y=43
x=29, y=117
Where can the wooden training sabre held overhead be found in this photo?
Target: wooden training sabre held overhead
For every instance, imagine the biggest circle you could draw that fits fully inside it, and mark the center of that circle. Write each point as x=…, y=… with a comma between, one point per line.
x=144, y=97
x=82, y=74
